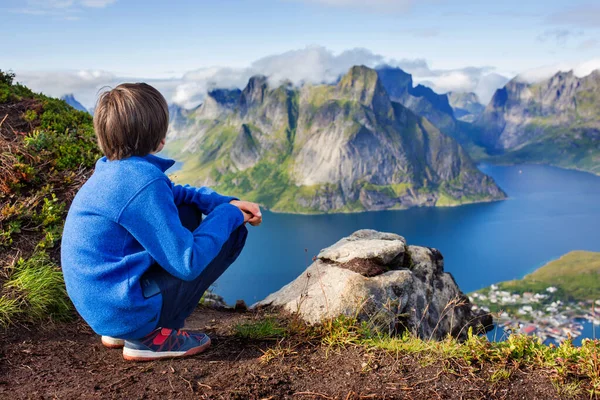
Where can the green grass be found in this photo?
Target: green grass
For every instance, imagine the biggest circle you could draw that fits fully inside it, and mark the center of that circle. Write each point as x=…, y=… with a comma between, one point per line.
x=34, y=292
x=575, y=368
x=264, y=329
x=41, y=168
x=576, y=275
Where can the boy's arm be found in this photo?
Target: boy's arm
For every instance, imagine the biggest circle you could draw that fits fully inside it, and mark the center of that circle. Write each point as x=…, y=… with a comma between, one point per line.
x=152, y=218
x=204, y=198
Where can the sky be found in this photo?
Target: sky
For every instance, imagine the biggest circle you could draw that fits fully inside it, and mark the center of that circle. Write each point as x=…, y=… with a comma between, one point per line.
x=185, y=47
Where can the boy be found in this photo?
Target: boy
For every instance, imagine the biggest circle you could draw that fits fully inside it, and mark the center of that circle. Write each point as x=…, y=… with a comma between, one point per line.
x=136, y=254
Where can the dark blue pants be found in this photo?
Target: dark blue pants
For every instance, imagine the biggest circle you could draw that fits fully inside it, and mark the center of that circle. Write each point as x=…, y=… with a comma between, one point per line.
x=180, y=298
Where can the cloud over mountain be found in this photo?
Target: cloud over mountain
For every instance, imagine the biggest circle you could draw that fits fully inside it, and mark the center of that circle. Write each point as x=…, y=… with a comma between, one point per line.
x=312, y=64
x=579, y=69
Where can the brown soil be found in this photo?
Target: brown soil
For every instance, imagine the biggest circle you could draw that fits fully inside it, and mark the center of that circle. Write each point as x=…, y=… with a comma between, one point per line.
x=364, y=266
x=68, y=361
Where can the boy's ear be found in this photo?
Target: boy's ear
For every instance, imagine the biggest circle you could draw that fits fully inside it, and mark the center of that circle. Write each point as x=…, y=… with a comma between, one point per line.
x=161, y=145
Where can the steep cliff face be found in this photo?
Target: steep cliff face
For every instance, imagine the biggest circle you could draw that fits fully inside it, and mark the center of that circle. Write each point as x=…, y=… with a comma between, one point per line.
x=556, y=121
x=466, y=106
x=420, y=99
x=325, y=149
x=379, y=279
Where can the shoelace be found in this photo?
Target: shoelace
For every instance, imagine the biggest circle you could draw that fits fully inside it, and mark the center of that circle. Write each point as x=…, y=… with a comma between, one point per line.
x=183, y=333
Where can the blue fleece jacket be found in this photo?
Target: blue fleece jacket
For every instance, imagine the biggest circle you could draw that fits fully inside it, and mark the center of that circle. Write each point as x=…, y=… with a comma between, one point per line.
x=122, y=221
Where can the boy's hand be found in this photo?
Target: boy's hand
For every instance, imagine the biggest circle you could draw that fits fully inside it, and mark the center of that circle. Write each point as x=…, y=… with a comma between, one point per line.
x=251, y=211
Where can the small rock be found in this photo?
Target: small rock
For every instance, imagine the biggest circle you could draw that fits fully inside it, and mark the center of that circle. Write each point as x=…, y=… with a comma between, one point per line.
x=240, y=306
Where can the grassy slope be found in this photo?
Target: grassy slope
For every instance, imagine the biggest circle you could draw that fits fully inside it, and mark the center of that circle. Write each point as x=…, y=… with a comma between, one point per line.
x=576, y=274
x=48, y=150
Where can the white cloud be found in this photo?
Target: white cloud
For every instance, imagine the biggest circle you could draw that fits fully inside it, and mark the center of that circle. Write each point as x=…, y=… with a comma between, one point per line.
x=97, y=3
x=313, y=64
x=317, y=64
x=481, y=80
x=65, y=8
x=588, y=44
x=375, y=5
x=580, y=69
x=488, y=84
x=83, y=84
x=559, y=35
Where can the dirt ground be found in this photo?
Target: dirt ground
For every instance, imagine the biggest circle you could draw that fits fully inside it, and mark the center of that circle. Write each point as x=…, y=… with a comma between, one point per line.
x=67, y=361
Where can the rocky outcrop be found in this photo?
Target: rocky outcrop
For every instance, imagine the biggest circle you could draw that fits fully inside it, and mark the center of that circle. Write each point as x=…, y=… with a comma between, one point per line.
x=325, y=148
x=381, y=280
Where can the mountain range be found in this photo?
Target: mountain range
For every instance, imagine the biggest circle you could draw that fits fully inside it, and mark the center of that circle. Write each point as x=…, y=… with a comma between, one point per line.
x=555, y=121
x=327, y=148
x=72, y=101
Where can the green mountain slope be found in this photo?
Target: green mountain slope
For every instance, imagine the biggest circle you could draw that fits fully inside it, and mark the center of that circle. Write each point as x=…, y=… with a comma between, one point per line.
x=324, y=148
x=576, y=275
x=556, y=121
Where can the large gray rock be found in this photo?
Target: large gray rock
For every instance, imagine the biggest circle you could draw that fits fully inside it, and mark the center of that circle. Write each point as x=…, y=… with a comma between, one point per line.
x=377, y=278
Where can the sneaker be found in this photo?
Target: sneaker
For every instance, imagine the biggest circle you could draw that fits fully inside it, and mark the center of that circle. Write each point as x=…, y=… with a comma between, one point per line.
x=112, y=343
x=165, y=343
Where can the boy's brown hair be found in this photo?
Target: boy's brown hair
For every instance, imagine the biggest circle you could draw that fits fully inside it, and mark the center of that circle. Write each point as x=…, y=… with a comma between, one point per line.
x=130, y=120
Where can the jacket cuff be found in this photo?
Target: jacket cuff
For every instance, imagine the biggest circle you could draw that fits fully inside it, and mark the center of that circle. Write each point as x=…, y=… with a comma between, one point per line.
x=231, y=211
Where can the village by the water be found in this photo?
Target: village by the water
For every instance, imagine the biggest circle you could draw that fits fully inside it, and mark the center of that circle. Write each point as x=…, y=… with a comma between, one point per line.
x=540, y=314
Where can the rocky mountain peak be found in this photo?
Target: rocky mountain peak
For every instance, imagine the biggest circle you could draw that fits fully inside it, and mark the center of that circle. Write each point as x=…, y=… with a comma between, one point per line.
x=421, y=100
x=226, y=97
x=397, y=82
x=254, y=92
x=72, y=101
x=362, y=84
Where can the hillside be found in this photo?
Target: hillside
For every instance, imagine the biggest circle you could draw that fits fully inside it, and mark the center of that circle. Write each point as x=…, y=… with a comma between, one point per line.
x=555, y=122
x=340, y=148
x=576, y=275
x=48, y=151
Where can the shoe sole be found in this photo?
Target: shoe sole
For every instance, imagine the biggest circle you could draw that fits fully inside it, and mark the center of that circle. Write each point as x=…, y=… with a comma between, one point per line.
x=112, y=343
x=149, y=355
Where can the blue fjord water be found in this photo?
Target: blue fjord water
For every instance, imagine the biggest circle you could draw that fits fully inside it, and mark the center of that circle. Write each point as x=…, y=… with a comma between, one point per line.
x=549, y=212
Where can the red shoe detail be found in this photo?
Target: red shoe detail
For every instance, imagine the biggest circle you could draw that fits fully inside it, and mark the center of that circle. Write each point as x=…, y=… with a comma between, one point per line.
x=161, y=337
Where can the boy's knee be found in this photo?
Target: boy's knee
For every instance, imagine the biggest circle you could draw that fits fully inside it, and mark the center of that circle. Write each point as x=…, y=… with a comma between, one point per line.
x=190, y=216
x=239, y=236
